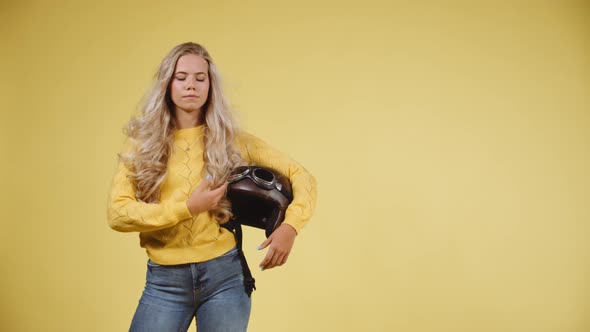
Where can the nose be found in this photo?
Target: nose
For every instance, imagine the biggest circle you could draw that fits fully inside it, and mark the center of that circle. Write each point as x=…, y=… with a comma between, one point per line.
x=191, y=83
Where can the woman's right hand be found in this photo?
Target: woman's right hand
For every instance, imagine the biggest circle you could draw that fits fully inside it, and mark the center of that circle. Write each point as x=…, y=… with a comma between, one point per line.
x=204, y=199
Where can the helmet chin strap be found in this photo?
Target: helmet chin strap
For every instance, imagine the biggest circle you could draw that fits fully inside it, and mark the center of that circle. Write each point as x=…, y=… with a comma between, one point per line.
x=236, y=228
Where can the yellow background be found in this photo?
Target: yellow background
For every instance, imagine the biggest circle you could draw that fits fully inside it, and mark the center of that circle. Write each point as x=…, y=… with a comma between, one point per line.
x=450, y=140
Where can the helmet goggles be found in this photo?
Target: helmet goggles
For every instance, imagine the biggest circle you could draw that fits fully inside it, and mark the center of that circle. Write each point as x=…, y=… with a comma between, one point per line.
x=263, y=177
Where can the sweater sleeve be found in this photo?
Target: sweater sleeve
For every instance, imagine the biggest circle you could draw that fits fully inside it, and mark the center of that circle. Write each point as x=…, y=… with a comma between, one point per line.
x=126, y=214
x=258, y=152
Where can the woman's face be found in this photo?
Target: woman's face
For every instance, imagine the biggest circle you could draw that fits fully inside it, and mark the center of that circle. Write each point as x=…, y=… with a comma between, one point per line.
x=190, y=83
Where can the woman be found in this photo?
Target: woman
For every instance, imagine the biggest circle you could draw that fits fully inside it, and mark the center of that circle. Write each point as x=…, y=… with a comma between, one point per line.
x=170, y=186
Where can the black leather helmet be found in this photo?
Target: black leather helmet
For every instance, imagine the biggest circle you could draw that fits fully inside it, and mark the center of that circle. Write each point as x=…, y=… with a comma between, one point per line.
x=259, y=197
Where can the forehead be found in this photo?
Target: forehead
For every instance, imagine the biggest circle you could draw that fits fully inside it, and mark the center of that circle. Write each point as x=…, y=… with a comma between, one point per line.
x=191, y=63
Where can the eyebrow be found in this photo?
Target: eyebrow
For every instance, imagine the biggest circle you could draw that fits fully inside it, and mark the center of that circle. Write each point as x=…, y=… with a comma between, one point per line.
x=183, y=72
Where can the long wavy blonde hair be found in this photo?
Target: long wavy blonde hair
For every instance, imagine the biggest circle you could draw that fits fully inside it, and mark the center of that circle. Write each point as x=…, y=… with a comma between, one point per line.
x=152, y=133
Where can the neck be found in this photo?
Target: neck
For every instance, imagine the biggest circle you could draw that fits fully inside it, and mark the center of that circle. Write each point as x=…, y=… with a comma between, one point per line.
x=186, y=119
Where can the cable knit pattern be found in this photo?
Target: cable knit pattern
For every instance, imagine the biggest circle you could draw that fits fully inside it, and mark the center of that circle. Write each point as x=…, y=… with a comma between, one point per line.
x=167, y=230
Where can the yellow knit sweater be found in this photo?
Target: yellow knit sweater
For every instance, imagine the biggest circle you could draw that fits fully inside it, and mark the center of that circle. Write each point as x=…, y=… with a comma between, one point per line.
x=168, y=231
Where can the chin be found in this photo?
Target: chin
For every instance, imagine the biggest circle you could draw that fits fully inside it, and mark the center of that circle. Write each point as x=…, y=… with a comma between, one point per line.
x=191, y=108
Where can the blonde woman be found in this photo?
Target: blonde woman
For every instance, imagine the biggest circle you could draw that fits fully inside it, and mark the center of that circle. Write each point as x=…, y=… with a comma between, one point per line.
x=170, y=187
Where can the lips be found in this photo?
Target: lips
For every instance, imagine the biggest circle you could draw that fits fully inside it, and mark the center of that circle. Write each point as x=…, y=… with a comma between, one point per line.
x=190, y=96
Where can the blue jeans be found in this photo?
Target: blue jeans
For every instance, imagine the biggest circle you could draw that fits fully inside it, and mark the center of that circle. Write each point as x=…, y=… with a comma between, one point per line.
x=212, y=291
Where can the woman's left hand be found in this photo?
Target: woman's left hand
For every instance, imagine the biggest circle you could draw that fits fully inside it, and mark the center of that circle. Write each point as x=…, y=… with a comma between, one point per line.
x=280, y=241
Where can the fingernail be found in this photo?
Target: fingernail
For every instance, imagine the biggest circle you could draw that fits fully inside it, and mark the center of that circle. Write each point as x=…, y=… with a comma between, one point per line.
x=262, y=269
x=259, y=247
x=208, y=177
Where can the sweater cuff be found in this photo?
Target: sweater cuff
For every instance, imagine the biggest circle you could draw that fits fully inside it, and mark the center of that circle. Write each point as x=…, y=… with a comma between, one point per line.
x=297, y=226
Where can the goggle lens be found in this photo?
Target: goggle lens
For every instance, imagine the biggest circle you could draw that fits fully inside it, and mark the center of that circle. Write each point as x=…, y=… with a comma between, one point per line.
x=264, y=175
